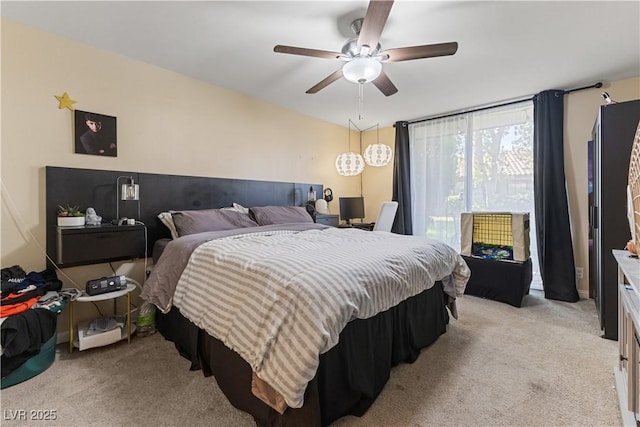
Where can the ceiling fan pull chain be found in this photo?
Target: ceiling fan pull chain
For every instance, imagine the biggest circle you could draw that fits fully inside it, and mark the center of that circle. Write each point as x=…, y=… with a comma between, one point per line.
x=360, y=100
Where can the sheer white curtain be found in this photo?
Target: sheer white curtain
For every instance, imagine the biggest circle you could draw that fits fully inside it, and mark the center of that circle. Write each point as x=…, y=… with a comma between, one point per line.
x=437, y=155
x=481, y=161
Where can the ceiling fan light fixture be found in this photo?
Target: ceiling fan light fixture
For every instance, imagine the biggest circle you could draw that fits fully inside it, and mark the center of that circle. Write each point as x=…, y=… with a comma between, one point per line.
x=362, y=70
x=364, y=55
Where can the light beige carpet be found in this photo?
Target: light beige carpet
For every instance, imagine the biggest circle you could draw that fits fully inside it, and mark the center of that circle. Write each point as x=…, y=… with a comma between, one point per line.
x=544, y=364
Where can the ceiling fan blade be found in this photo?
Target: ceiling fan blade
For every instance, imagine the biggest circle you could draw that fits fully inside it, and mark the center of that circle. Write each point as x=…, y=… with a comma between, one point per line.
x=383, y=83
x=373, y=24
x=307, y=52
x=326, y=82
x=417, y=52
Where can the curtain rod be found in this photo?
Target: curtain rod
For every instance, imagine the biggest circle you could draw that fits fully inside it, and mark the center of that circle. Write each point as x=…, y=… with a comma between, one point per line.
x=504, y=104
x=593, y=86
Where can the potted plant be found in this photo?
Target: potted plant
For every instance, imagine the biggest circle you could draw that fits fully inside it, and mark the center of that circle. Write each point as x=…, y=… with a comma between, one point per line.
x=70, y=216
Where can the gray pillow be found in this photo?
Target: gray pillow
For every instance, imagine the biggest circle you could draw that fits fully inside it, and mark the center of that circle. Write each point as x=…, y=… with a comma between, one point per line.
x=167, y=220
x=267, y=215
x=199, y=221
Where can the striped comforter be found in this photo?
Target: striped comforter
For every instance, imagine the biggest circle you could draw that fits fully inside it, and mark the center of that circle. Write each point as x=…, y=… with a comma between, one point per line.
x=281, y=298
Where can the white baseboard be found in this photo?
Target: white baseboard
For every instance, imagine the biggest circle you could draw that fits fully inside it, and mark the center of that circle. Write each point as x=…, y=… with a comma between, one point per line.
x=583, y=294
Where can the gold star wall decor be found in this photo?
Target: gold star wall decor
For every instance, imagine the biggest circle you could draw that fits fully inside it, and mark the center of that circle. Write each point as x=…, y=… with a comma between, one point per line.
x=65, y=101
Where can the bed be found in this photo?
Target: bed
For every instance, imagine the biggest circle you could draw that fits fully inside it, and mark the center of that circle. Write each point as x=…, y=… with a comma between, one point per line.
x=300, y=323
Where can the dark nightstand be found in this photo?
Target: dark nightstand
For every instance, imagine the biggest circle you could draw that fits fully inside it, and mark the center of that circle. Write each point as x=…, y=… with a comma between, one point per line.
x=327, y=219
x=92, y=244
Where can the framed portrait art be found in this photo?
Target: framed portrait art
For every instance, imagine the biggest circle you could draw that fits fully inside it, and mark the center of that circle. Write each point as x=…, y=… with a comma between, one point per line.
x=95, y=134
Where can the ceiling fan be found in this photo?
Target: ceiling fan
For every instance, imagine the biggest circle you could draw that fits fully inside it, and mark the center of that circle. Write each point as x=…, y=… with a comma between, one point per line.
x=363, y=55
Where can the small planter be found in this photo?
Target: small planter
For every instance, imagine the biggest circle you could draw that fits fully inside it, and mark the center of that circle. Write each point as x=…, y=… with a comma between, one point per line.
x=70, y=221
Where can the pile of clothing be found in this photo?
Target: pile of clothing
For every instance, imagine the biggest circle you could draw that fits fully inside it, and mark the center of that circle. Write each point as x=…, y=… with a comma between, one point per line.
x=28, y=310
x=20, y=291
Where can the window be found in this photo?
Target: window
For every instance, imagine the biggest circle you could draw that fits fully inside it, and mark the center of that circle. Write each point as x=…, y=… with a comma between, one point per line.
x=480, y=161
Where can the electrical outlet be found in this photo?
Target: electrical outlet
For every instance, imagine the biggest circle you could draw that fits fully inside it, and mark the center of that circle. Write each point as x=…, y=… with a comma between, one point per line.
x=579, y=273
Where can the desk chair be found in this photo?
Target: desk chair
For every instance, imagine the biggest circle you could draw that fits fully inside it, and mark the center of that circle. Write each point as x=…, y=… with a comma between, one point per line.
x=386, y=216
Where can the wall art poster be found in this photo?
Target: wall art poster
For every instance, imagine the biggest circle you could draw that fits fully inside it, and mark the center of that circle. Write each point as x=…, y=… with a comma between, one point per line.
x=95, y=134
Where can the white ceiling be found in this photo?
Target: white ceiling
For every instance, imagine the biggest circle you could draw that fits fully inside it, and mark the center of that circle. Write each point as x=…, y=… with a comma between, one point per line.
x=507, y=49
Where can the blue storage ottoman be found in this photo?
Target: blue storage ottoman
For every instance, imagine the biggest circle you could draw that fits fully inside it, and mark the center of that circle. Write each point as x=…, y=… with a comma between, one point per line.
x=503, y=281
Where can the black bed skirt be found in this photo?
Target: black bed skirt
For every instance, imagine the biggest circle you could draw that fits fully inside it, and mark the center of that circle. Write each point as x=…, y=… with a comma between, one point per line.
x=350, y=376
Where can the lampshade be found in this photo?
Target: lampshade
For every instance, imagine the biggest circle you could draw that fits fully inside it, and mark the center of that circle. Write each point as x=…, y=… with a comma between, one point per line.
x=361, y=70
x=377, y=155
x=349, y=164
x=130, y=191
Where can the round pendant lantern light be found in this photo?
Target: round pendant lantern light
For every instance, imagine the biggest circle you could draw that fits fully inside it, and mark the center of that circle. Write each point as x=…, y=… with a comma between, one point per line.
x=377, y=154
x=349, y=164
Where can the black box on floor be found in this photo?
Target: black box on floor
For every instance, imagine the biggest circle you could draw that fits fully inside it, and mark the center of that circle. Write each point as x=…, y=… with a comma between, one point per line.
x=503, y=281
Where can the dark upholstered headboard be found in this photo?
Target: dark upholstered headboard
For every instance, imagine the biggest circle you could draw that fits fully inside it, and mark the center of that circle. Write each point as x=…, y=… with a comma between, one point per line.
x=97, y=189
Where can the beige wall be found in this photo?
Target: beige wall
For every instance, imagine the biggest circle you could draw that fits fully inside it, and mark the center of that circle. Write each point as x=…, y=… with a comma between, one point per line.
x=581, y=109
x=167, y=123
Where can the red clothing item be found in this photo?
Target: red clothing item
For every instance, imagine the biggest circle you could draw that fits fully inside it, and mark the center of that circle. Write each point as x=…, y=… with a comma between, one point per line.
x=11, y=309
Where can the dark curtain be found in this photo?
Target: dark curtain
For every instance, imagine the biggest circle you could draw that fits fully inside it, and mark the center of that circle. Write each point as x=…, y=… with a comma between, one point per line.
x=553, y=230
x=402, y=181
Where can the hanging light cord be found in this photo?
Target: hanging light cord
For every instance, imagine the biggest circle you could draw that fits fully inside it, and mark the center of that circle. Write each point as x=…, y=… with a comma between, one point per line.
x=361, y=185
x=360, y=100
